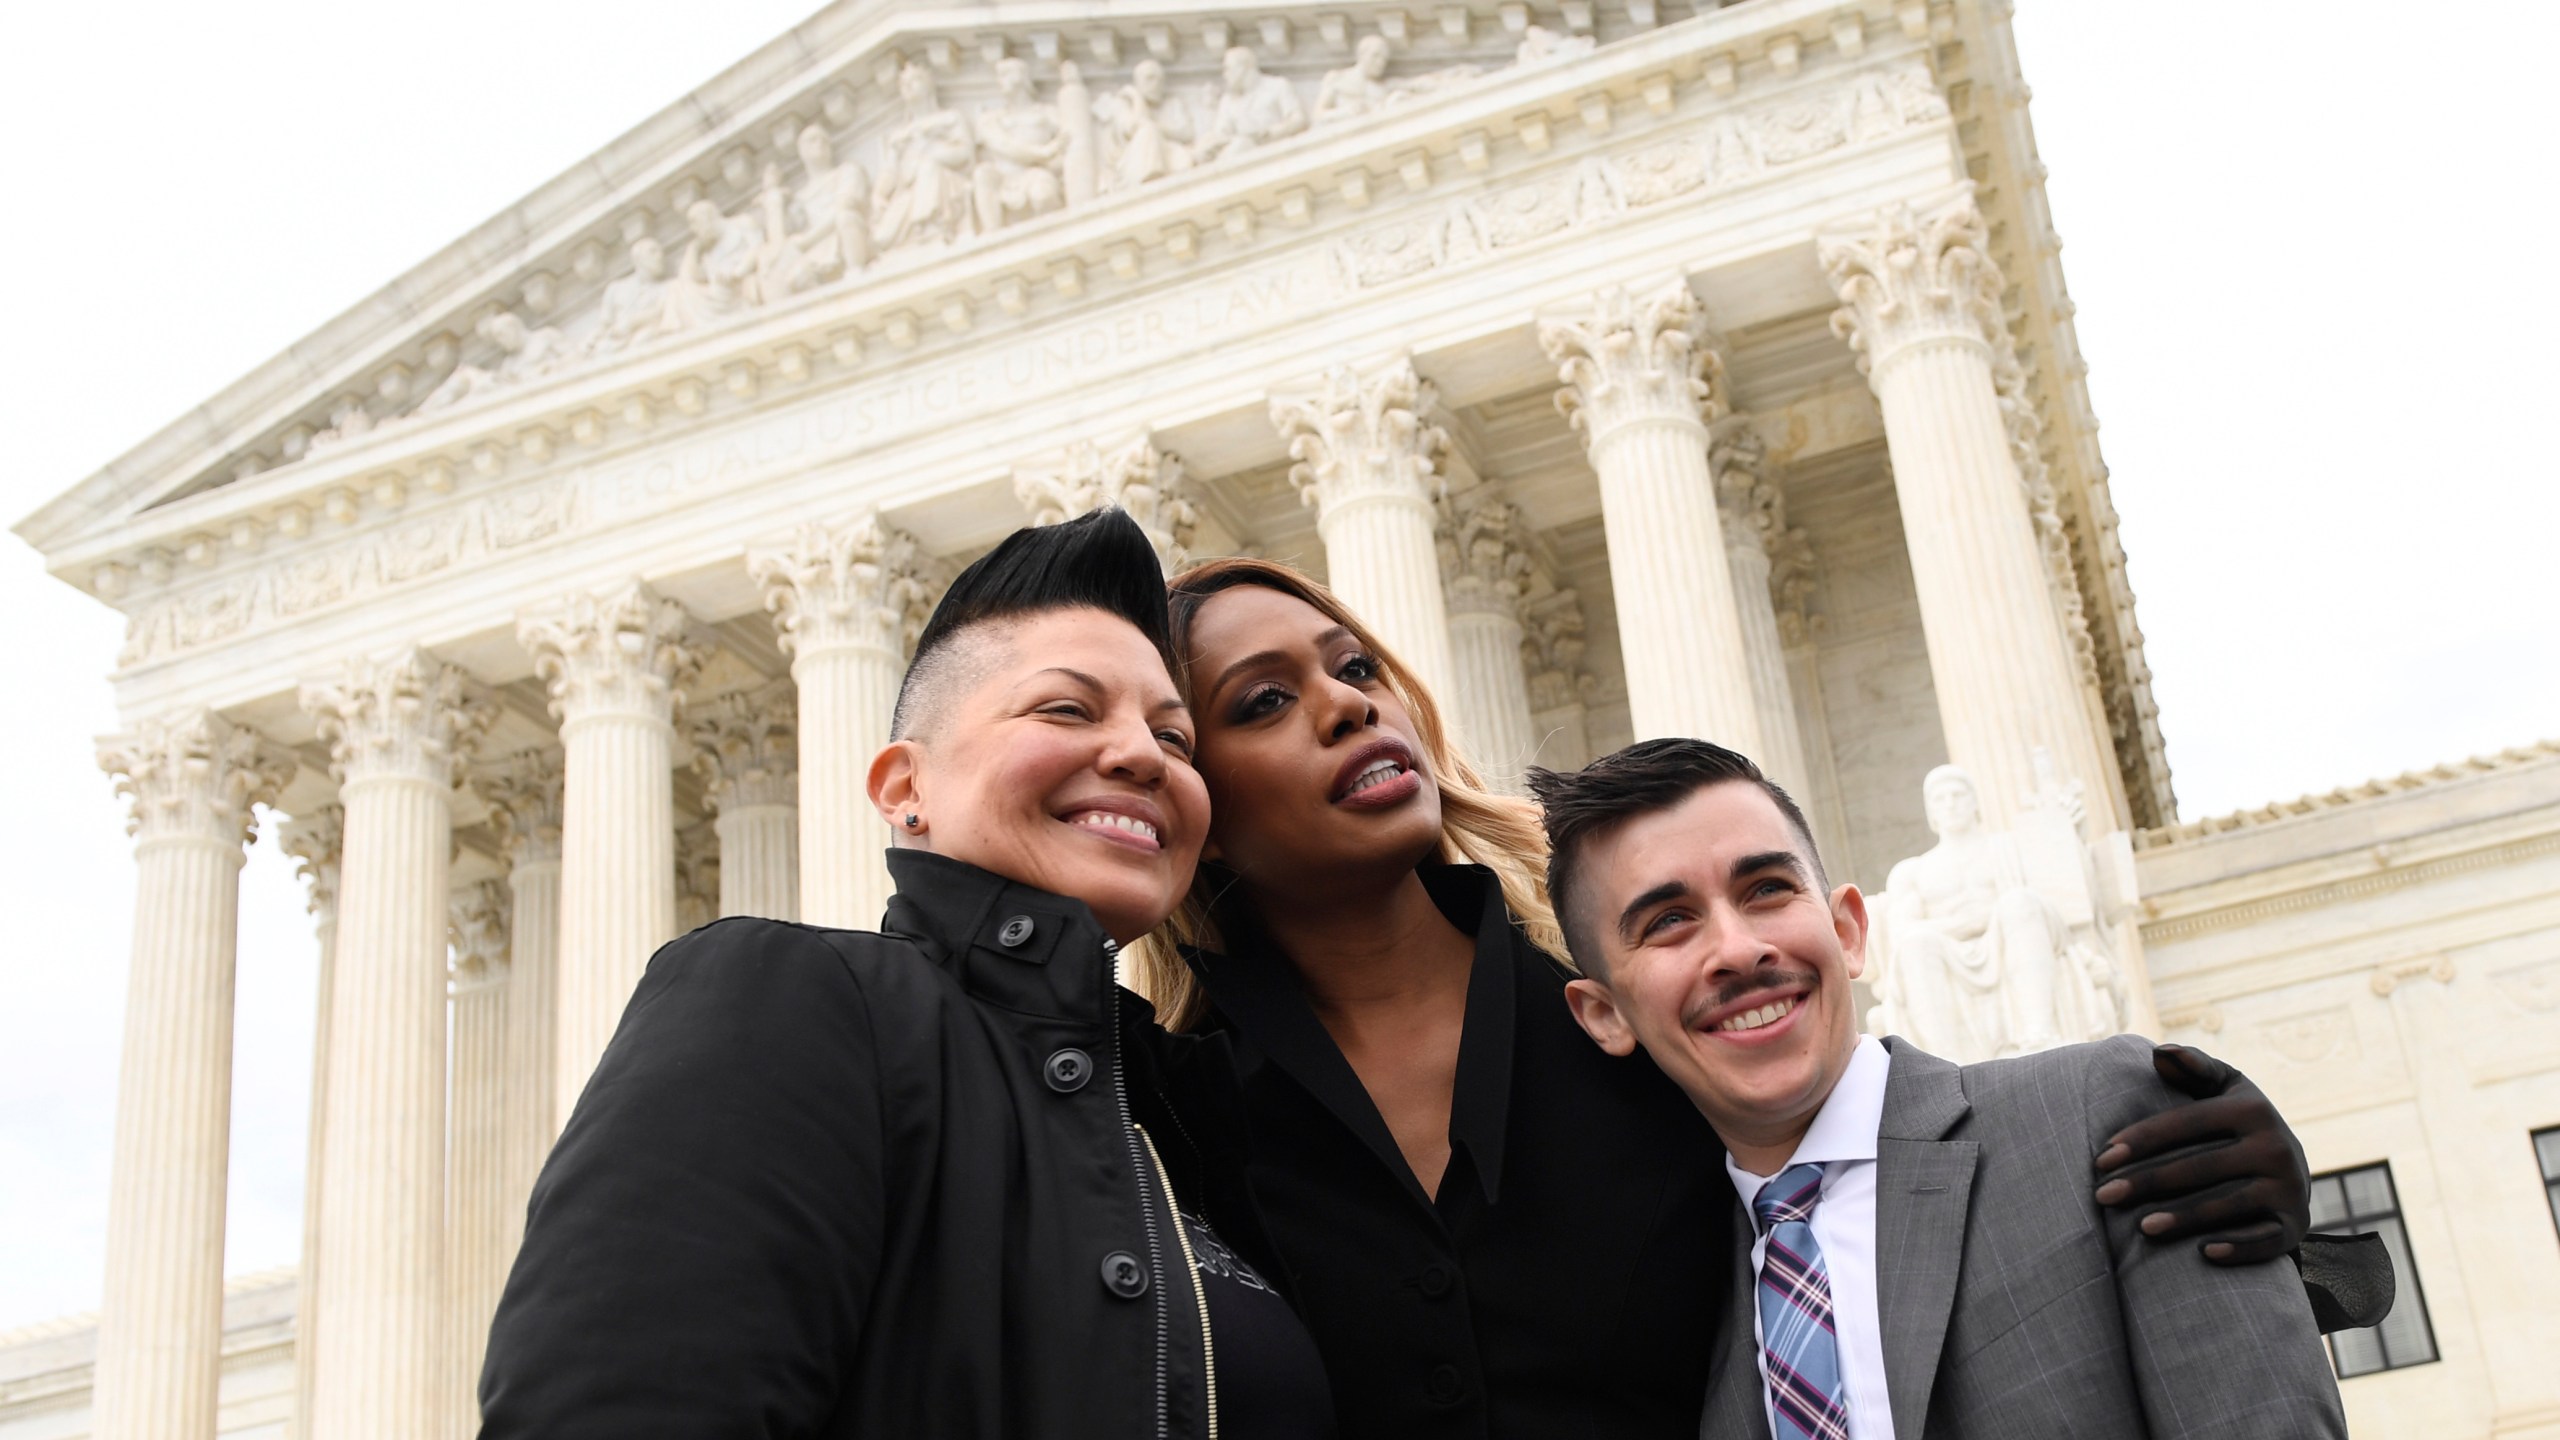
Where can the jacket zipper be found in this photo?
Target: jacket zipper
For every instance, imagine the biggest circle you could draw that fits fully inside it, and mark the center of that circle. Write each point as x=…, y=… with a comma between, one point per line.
x=1199, y=1292
x=1138, y=1169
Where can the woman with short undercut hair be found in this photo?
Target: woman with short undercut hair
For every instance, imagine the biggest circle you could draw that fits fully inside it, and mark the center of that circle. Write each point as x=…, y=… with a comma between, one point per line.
x=946, y=1179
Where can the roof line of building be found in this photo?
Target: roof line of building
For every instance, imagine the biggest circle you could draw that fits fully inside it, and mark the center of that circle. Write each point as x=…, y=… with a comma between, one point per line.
x=88, y=1319
x=2540, y=752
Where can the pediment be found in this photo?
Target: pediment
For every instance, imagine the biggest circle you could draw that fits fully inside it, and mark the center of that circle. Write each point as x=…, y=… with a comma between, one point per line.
x=873, y=141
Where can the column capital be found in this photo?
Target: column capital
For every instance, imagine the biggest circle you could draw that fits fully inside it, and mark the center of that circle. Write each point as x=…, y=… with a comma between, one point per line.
x=1752, y=506
x=476, y=923
x=404, y=715
x=1911, y=279
x=1484, y=553
x=316, y=840
x=1363, y=439
x=523, y=791
x=1150, y=484
x=1631, y=361
x=623, y=650
x=746, y=747
x=860, y=585
x=1551, y=650
x=194, y=776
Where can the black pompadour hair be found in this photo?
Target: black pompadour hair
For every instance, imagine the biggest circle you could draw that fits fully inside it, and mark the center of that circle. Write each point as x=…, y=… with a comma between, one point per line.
x=1098, y=561
x=1647, y=776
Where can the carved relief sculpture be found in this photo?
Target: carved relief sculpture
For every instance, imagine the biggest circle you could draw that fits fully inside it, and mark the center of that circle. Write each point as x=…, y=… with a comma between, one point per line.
x=718, y=275
x=525, y=352
x=1254, y=109
x=1140, y=479
x=1362, y=87
x=925, y=191
x=833, y=209
x=1020, y=144
x=1151, y=129
x=1994, y=943
x=633, y=310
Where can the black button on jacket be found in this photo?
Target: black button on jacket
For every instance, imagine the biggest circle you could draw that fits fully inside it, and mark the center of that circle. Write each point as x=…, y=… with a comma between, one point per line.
x=1568, y=1278
x=830, y=1183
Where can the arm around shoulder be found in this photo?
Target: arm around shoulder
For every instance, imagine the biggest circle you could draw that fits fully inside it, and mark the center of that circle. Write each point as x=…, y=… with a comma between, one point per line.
x=2216, y=1350
x=700, y=1247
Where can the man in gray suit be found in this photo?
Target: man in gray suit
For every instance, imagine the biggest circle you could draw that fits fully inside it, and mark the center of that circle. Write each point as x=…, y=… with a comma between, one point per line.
x=1930, y=1259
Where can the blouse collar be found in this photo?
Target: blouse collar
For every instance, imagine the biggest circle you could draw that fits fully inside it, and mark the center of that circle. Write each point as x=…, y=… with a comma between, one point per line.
x=1258, y=994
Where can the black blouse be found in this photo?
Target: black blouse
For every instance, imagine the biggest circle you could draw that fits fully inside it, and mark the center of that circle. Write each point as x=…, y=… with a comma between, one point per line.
x=1566, y=1279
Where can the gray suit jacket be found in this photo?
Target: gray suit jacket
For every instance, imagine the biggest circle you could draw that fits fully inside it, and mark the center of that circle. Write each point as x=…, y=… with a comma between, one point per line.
x=2016, y=1308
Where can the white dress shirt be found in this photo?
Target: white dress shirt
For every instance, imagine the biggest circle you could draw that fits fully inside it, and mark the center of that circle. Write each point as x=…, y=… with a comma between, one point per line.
x=1843, y=1138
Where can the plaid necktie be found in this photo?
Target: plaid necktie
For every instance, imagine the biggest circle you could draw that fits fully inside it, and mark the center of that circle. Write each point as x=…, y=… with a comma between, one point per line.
x=1800, y=1352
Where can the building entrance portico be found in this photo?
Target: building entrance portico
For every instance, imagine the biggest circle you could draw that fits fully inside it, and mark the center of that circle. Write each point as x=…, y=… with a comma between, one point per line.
x=1634, y=373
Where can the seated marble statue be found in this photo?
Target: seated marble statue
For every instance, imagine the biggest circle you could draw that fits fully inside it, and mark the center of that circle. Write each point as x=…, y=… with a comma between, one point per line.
x=1362, y=87
x=718, y=274
x=348, y=421
x=925, y=191
x=1151, y=130
x=1974, y=955
x=632, y=309
x=1020, y=142
x=524, y=352
x=1539, y=45
x=833, y=209
x=1254, y=109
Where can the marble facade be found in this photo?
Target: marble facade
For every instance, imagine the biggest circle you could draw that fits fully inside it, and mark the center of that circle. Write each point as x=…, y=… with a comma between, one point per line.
x=1636, y=371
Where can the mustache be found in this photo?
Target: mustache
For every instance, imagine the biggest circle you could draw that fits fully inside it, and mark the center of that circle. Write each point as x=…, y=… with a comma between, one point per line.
x=1733, y=992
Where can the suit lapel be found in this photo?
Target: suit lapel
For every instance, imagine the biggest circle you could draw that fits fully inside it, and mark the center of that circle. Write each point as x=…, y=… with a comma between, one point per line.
x=1736, y=1405
x=1924, y=1192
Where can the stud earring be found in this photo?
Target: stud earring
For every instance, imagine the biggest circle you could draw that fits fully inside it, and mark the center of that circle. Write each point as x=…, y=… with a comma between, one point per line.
x=912, y=822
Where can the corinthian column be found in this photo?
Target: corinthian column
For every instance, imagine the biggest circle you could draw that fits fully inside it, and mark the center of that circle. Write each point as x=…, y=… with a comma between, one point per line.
x=476, y=1228
x=616, y=662
x=1369, y=463
x=1559, y=688
x=1142, y=480
x=314, y=841
x=1920, y=302
x=1483, y=565
x=191, y=780
x=847, y=601
x=1753, y=512
x=523, y=791
x=746, y=751
x=1637, y=384
x=398, y=729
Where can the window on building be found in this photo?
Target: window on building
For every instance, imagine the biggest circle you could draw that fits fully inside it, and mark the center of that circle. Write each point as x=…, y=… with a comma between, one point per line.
x=2546, y=1148
x=2362, y=1201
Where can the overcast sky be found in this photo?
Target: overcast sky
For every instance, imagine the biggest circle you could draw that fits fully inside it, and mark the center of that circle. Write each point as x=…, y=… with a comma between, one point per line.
x=2293, y=239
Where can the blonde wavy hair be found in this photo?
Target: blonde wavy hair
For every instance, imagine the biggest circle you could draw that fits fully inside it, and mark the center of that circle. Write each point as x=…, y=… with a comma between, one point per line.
x=1500, y=832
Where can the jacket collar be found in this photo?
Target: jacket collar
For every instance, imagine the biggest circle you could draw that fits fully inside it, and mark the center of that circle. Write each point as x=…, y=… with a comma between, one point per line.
x=1924, y=1197
x=1007, y=944
x=1257, y=993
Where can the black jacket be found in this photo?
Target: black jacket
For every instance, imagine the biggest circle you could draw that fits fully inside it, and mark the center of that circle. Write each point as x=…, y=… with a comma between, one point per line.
x=833, y=1183
x=1566, y=1280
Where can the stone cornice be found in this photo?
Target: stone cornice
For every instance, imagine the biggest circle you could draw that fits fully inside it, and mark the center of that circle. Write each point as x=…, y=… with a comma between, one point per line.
x=96, y=537
x=777, y=446
x=2460, y=771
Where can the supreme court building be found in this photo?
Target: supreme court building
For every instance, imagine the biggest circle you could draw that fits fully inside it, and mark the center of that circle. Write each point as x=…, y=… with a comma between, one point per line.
x=1637, y=368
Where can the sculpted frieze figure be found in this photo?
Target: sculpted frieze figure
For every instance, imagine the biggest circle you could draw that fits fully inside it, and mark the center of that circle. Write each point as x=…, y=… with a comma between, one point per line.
x=781, y=267
x=1541, y=46
x=349, y=421
x=1993, y=942
x=1151, y=129
x=926, y=162
x=633, y=310
x=1362, y=86
x=718, y=275
x=1254, y=109
x=833, y=206
x=1020, y=144
x=525, y=352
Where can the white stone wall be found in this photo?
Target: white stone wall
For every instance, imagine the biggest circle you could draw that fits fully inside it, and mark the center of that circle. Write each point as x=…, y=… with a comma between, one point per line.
x=2387, y=966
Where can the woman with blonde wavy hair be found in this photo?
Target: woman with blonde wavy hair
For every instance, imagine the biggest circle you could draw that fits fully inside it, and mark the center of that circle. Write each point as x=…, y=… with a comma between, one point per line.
x=1491, y=1227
